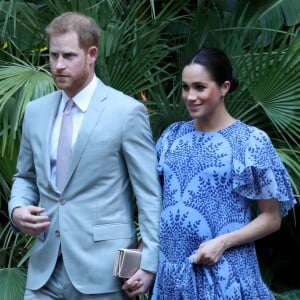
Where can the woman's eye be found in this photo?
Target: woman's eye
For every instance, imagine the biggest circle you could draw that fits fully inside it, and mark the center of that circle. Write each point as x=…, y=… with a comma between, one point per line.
x=185, y=87
x=199, y=87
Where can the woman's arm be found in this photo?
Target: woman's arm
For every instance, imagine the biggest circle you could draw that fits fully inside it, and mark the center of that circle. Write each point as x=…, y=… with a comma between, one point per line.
x=267, y=222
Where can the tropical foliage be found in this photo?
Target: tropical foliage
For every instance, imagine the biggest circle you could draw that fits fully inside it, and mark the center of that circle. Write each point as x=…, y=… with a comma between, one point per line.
x=142, y=50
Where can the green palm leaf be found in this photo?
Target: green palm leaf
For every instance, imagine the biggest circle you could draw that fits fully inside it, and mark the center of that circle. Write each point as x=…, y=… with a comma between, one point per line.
x=271, y=78
x=19, y=83
x=12, y=283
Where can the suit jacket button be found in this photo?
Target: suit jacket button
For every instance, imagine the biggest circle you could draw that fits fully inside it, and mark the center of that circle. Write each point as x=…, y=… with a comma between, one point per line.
x=57, y=233
x=62, y=201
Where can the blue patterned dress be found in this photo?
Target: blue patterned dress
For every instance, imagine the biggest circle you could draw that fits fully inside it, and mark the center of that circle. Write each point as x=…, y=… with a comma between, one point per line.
x=209, y=181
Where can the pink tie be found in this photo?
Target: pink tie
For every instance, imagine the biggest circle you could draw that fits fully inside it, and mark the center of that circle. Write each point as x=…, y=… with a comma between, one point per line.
x=64, y=148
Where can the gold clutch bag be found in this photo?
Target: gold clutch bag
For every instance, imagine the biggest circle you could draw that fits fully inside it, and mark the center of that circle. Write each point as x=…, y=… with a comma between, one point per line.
x=127, y=262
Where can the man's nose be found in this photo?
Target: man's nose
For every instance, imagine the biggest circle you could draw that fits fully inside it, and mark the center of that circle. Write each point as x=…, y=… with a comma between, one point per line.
x=60, y=63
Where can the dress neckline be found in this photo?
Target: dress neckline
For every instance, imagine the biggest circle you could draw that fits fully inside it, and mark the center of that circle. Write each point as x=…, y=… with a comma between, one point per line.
x=215, y=131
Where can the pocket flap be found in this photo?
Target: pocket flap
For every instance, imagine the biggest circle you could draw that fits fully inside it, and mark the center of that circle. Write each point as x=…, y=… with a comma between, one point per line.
x=112, y=232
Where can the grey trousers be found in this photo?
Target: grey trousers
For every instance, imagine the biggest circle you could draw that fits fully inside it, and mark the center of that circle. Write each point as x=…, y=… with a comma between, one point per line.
x=59, y=287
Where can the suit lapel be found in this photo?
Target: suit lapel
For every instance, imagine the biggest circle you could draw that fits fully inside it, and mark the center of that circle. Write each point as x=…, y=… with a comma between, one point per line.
x=51, y=108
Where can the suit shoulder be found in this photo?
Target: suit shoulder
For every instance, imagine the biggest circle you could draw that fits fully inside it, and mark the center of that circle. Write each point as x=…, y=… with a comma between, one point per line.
x=122, y=98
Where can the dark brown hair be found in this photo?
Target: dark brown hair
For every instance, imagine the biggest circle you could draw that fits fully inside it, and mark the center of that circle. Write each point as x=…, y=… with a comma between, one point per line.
x=217, y=64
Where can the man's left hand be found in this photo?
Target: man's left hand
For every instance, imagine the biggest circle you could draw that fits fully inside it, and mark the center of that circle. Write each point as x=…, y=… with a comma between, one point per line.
x=138, y=283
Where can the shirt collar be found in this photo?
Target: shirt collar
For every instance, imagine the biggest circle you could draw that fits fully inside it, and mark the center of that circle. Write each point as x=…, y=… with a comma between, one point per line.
x=83, y=98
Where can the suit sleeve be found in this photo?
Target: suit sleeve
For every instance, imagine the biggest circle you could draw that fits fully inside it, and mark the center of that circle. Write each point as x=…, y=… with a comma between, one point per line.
x=24, y=190
x=141, y=159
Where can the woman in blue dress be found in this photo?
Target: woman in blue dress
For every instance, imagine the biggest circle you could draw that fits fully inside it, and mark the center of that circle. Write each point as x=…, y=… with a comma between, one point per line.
x=213, y=169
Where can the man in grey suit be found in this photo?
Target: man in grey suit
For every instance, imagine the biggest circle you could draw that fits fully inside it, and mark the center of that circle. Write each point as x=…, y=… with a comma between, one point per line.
x=112, y=170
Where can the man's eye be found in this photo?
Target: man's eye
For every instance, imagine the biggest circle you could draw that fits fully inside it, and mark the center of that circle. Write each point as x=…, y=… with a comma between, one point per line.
x=69, y=55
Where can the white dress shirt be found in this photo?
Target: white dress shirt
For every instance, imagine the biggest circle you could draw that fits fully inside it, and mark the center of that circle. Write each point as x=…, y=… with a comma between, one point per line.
x=82, y=101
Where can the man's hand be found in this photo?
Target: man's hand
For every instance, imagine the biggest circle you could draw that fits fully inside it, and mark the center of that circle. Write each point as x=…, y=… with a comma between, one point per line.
x=28, y=219
x=138, y=283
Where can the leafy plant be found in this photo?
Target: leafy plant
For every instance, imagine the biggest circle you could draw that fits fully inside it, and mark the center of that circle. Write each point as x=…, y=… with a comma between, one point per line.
x=142, y=50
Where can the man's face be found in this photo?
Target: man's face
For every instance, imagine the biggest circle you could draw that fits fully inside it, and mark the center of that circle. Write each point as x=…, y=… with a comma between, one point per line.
x=72, y=67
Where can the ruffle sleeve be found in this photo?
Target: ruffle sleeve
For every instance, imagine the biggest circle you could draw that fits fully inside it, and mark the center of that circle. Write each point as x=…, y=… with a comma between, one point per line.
x=258, y=172
x=164, y=142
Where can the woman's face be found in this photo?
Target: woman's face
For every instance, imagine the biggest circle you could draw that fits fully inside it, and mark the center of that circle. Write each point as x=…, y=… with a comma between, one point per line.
x=202, y=96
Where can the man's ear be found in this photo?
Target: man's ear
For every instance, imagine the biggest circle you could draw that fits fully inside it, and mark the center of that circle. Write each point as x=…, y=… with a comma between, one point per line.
x=92, y=54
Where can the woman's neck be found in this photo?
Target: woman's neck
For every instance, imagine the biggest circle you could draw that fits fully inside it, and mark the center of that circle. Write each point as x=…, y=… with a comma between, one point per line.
x=211, y=125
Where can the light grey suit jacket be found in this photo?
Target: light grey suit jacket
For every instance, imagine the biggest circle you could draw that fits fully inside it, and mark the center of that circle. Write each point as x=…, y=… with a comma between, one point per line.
x=113, y=160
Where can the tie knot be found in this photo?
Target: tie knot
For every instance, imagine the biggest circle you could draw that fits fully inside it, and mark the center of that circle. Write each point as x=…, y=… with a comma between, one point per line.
x=68, y=106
